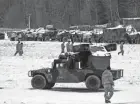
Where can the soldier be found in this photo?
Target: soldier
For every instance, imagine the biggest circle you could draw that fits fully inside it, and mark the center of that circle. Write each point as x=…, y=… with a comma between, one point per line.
x=63, y=46
x=19, y=48
x=84, y=56
x=121, y=48
x=107, y=81
x=69, y=46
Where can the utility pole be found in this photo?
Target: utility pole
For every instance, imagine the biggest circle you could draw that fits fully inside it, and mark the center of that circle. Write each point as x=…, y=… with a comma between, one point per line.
x=96, y=12
x=136, y=8
x=111, y=11
x=29, y=21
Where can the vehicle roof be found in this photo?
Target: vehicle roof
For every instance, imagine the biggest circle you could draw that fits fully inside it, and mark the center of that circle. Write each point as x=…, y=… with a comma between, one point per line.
x=94, y=44
x=93, y=47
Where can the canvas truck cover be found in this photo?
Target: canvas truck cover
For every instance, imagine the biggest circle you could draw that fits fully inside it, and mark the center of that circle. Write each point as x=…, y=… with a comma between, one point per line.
x=98, y=62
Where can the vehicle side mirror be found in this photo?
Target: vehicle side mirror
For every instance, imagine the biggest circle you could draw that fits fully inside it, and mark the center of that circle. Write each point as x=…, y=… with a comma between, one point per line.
x=111, y=47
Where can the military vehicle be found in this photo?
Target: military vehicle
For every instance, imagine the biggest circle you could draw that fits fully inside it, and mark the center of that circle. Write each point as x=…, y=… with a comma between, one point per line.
x=85, y=64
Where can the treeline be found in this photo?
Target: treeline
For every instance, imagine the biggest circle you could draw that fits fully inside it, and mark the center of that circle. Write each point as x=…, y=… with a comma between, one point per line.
x=64, y=13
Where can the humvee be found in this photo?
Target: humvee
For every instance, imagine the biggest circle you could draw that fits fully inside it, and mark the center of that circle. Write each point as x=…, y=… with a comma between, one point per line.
x=85, y=64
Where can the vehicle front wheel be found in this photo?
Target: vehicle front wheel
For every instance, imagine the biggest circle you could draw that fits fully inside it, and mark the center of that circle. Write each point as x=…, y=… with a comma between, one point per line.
x=93, y=82
x=38, y=82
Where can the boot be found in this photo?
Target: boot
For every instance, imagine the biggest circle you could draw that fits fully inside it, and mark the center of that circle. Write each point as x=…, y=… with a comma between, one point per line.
x=118, y=53
x=107, y=101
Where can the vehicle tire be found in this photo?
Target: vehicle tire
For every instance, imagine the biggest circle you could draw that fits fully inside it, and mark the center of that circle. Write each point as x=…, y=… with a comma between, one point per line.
x=49, y=85
x=93, y=82
x=38, y=82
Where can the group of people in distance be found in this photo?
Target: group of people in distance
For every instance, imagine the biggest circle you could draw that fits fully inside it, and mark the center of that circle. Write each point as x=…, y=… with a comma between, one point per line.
x=67, y=52
x=66, y=47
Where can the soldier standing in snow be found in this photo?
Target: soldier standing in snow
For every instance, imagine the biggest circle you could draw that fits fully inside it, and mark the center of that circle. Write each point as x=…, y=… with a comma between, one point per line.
x=63, y=46
x=19, y=48
x=121, y=48
x=69, y=46
x=107, y=81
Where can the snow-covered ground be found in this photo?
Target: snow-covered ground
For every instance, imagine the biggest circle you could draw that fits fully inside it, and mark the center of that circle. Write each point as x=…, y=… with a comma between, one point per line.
x=15, y=87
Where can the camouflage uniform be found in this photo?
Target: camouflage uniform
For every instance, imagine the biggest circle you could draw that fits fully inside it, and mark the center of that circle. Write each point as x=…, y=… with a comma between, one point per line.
x=121, y=49
x=19, y=49
x=107, y=81
x=69, y=47
x=63, y=47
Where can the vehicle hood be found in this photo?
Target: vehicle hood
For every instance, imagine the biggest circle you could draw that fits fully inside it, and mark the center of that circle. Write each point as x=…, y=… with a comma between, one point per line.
x=100, y=53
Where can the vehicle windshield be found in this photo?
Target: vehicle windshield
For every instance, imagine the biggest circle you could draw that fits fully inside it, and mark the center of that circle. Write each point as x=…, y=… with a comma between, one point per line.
x=81, y=47
x=96, y=48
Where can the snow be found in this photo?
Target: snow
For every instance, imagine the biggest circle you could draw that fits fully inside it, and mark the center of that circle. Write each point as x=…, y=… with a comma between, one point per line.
x=131, y=18
x=117, y=27
x=15, y=87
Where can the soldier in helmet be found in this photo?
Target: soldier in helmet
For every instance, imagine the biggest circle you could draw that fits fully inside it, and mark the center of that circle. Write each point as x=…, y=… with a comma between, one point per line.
x=121, y=48
x=107, y=81
x=63, y=46
x=19, y=48
x=69, y=46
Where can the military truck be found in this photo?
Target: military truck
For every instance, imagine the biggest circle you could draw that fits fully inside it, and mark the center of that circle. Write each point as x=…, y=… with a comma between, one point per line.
x=85, y=64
